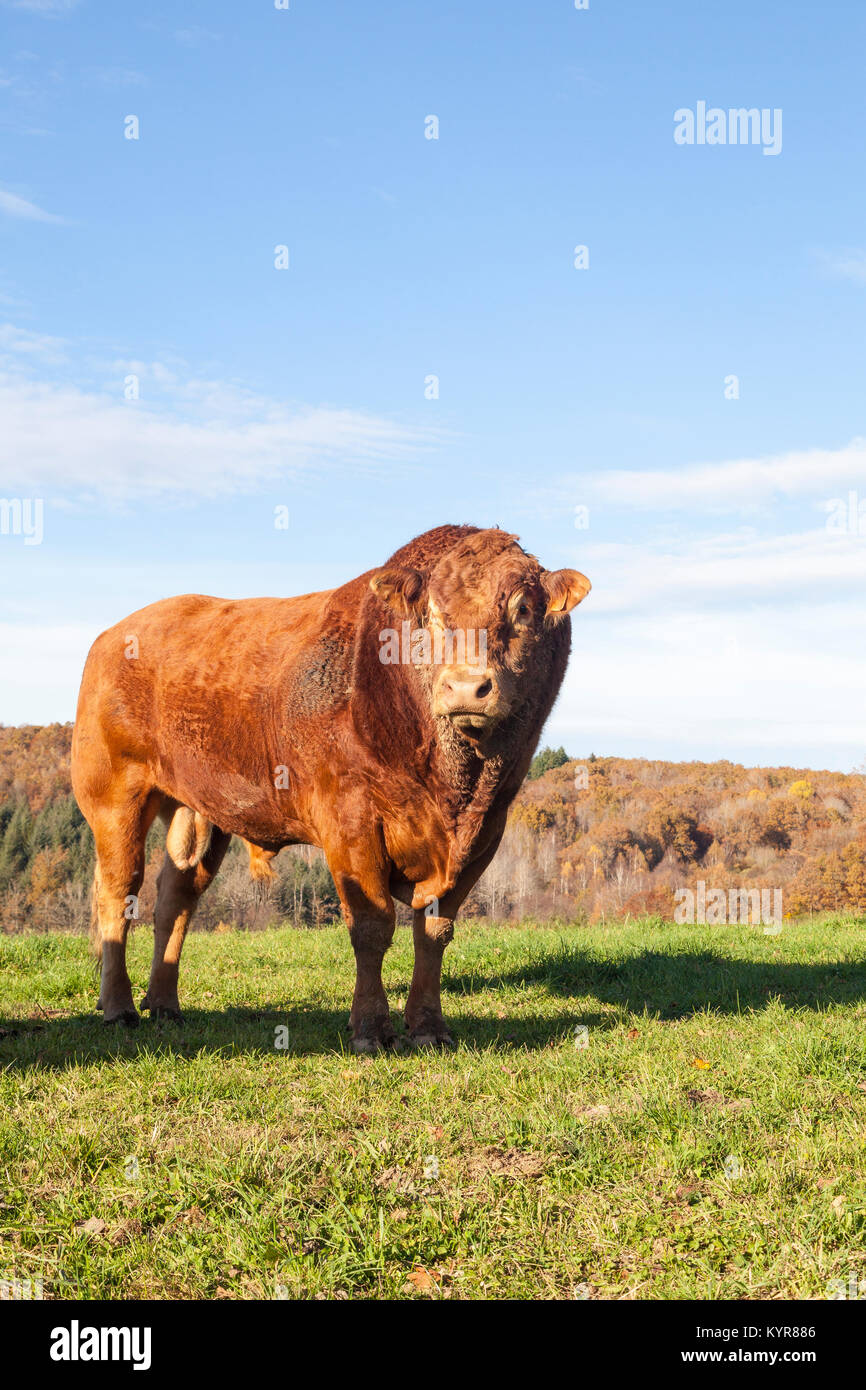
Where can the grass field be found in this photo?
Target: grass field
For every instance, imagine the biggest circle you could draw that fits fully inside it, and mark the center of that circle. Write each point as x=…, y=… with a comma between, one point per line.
x=704, y=1138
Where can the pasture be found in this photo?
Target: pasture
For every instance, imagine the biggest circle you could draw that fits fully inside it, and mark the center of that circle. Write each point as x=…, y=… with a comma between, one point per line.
x=635, y=1110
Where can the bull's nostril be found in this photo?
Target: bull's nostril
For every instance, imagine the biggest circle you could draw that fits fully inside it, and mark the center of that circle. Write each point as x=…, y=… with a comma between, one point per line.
x=484, y=690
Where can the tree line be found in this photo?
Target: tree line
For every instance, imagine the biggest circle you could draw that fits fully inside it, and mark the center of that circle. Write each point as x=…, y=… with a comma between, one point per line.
x=585, y=839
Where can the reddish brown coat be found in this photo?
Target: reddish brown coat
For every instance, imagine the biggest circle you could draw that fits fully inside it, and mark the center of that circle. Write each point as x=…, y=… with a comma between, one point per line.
x=276, y=720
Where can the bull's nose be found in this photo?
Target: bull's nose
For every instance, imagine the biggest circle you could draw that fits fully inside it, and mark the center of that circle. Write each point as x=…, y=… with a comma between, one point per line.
x=465, y=693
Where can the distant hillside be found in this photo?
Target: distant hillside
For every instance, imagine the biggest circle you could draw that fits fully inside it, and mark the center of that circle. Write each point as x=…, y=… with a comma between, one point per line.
x=586, y=839
x=619, y=835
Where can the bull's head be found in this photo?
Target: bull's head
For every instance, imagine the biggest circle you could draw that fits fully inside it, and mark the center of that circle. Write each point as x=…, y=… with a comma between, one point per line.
x=486, y=607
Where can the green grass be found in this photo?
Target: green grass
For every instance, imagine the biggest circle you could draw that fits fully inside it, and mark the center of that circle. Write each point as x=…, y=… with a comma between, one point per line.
x=211, y=1164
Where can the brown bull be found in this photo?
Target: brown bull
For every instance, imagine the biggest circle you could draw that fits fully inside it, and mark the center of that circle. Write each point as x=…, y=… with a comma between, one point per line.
x=390, y=722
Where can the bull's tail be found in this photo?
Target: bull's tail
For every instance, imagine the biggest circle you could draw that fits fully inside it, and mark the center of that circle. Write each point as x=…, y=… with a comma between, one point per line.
x=95, y=934
x=260, y=864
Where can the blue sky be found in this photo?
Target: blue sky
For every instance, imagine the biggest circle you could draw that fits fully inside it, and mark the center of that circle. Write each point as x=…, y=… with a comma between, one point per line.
x=726, y=619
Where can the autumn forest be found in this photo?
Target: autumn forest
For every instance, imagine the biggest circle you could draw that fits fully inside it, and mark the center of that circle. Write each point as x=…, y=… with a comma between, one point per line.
x=588, y=838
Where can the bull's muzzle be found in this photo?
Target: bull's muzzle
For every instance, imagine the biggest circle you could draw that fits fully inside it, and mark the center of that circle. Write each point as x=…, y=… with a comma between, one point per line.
x=469, y=696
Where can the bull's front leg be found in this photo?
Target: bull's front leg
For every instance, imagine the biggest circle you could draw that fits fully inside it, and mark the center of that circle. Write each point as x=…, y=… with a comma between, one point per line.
x=424, y=1022
x=433, y=928
x=369, y=912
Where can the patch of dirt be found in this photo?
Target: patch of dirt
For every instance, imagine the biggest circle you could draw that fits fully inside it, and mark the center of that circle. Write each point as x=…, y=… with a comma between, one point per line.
x=705, y=1099
x=125, y=1232
x=397, y=1179
x=506, y=1163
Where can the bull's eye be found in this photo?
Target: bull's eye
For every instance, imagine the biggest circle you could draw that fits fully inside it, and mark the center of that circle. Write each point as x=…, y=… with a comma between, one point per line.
x=523, y=611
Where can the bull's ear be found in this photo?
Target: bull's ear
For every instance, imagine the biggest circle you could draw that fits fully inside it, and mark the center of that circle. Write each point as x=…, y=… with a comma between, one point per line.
x=400, y=588
x=564, y=589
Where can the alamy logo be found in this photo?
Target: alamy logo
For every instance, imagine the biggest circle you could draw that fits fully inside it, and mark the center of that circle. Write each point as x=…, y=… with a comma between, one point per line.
x=715, y=907
x=77, y=1343
x=853, y=1288
x=417, y=647
x=737, y=126
x=846, y=516
x=22, y=516
x=14, y=1290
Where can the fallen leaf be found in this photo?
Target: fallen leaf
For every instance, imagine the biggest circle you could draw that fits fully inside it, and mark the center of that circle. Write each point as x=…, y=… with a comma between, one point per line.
x=632, y=1033
x=423, y=1280
x=701, y=1064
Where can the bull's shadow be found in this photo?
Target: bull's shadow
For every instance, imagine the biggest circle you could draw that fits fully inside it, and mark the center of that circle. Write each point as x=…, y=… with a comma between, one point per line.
x=676, y=985
x=663, y=985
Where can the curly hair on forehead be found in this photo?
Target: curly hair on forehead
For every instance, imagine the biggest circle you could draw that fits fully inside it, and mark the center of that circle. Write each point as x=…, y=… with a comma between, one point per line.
x=471, y=565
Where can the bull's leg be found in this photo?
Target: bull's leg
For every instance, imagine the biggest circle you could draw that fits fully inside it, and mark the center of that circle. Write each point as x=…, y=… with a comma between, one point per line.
x=424, y=1022
x=370, y=1020
x=177, y=893
x=369, y=912
x=119, y=833
x=432, y=930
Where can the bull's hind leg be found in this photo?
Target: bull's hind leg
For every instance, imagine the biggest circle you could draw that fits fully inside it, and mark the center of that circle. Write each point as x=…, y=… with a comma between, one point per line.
x=177, y=893
x=119, y=833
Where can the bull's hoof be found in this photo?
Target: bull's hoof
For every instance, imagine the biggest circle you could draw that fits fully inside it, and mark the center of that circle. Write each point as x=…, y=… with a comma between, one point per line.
x=163, y=1013
x=128, y=1018
x=440, y=1041
x=372, y=1039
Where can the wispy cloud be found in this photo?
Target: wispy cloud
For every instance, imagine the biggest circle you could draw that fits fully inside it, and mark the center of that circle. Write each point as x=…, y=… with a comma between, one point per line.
x=185, y=437
x=196, y=37
x=21, y=341
x=14, y=206
x=705, y=571
x=46, y=7
x=117, y=77
x=845, y=265
x=719, y=487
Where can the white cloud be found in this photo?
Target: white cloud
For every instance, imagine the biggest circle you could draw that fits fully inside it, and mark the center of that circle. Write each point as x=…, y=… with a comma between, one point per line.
x=782, y=683
x=202, y=439
x=41, y=670
x=14, y=206
x=727, y=485
x=744, y=645
x=722, y=569
x=21, y=341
